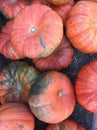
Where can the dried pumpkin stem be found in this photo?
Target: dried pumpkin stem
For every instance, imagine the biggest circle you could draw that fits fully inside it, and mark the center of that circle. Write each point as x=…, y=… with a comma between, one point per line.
x=60, y=93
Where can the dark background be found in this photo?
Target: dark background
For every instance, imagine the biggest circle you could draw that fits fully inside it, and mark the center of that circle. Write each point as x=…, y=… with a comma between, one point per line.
x=79, y=115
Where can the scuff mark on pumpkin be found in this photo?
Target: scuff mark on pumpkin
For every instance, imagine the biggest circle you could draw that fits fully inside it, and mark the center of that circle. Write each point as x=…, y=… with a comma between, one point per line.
x=21, y=126
x=42, y=43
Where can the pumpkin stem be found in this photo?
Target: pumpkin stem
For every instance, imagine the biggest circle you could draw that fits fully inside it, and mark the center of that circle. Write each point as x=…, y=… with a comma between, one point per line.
x=33, y=29
x=60, y=93
x=95, y=23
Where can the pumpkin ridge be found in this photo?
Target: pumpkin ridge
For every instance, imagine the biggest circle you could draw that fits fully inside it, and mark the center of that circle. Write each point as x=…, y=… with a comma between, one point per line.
x=71, y=37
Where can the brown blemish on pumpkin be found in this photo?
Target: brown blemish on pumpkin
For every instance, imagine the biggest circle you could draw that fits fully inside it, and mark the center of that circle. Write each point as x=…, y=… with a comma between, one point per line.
x=21, y=126
x=42, y=43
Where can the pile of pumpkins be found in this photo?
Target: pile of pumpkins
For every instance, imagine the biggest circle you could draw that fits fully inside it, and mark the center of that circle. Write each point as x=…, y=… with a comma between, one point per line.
x=46, y=31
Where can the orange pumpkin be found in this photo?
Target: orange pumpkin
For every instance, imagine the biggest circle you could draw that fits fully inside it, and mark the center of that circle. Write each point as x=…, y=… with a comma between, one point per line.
x=52, y=98
x=5, y=43
x=16, y=80
x=58, y=2
x=63, y=10
x=16, y=116
x=81, y=26
x=59, y=59
x=65, y=125
x=37, y=31
x=86, y=86
x=11, y=8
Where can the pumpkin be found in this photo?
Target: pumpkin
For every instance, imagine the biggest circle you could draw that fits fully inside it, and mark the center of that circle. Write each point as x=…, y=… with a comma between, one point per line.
x=6, y=44
x=65, y=125
x=59, y=59
x=39, y=34
x=81, y=26
x=86, y=86
x=11, y=8
x=12, y=117
x=15, y=81
x=52, y=98
x=58, y=2
x=63, y=10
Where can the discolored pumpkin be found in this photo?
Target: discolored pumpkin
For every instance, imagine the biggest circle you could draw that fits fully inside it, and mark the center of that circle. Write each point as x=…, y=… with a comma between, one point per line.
x=81, y=26
x=65, y=125
x=6, y=48
x=58, y=2
x=52, y=98
x=63, y=10
x=15, y=81
x=11, y=8
x=86, y=86
x=59, y=59
x=16, y=116
x=37, y=33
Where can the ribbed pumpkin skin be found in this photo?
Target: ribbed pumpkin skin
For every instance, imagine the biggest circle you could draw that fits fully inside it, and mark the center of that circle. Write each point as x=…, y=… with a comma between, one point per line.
x=59, y=59
x=52, y=98
x=65, y=125
x=81, y=26
x=11, y=8
x=6, y=48
x=16, y=116
x=39, y=34
x=3, y=39
x=86, y=86
x=5, y=34
x=15, y=81
x=58, y=2
x=63, y=10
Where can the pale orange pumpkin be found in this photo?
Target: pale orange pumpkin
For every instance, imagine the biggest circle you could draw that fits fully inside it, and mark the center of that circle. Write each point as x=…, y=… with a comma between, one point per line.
x=16, y=116
x=37, y=31
x=81, y=26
